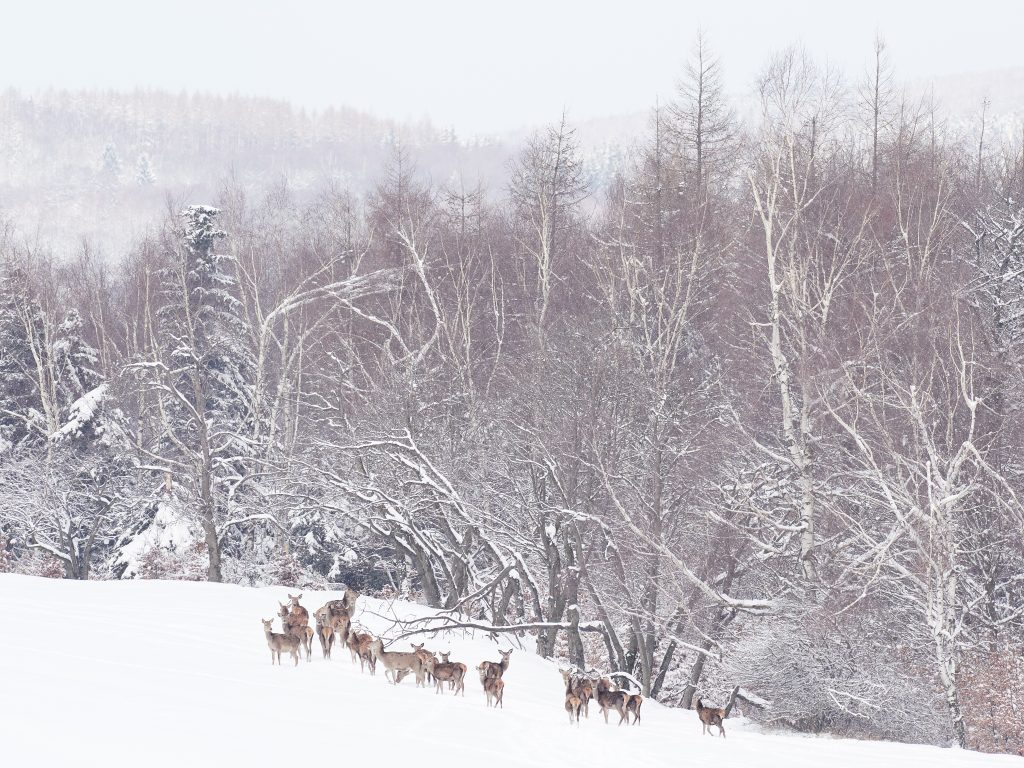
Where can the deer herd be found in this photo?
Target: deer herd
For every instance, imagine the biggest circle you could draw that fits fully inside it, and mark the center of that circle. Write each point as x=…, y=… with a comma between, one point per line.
x=334, y=621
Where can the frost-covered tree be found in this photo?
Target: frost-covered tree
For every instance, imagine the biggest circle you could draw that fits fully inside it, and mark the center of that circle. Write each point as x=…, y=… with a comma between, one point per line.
x=110, y=165
x=144, y=175
x=547, y=186
x=199, y=370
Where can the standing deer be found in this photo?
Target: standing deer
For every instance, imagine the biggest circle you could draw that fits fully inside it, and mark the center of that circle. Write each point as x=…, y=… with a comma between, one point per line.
x=427, y=658
x=297, y=627
x=278, y=642
x=633, y=705
x=298, y=610
x=494, y=689
x=713, y=716
x=495, y=669
x=446, y=671
x=332, y=619
x=609, y=699
x=349, y=601
x=298, y=622
x=359, y=646
x=581, y=687
x=458, y=681
x=572, y=706
x=397, y=664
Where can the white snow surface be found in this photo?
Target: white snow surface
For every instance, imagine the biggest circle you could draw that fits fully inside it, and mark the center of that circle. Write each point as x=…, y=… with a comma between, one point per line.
x=128, y=673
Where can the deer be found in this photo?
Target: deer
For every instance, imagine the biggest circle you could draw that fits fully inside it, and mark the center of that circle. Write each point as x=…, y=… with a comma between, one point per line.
x=609, y=699
x=396, y=663
x=572, y=706
x=458, y=682
x=298, y=622
x=295, y=626
x=633, y=705
x=494, y=689
x=427, y=658
x=332, y=619
x=349, y=601
x=298, y=610
x=579, y=686
x=359, y=646
x=446, y=671
x=713, y=716
x=278, y=642
x=495, y=669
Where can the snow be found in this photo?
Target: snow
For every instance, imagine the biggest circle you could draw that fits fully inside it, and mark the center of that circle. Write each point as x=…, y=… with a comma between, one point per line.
x=81, y=413
x=169, y=531
x=123, y=673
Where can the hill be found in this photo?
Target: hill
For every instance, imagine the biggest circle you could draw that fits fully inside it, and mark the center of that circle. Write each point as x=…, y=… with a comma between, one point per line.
x=177, y=673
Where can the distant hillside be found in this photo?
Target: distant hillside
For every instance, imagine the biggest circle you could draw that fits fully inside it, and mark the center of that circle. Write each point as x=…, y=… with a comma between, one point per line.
x=102, y=164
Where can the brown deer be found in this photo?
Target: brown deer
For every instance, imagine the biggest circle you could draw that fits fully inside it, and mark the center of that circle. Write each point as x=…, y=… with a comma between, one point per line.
x=494, y=689
x=494, y=668
x=458, y=681
x=397, y=664
x=633, y=705
x=332, y=619
x=278, y=642
x=298, y=610
x=350, y=601
x=359, y=646
x=425, y=657
x=713, y=716
x=297, y=627
x=572, y=706
x=609, y=699
x=446, y=671
x=579, y=686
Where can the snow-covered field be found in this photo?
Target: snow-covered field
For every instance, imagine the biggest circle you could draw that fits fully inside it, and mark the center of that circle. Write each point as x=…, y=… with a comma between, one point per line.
x=174, y=673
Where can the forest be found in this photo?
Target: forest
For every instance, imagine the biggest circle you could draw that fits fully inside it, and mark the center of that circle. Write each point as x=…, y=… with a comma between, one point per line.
x=745, y=413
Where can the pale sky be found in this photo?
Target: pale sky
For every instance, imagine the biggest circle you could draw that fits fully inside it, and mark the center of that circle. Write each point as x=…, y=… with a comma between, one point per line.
x=474, y=65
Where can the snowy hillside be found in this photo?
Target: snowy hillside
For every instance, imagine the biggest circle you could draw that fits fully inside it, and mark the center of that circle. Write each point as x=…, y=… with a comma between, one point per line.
x=178, y=673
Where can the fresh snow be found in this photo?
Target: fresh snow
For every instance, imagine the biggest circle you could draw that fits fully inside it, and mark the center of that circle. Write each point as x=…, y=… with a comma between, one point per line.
x=129, y=673
x=81, y=412
x=169, y=531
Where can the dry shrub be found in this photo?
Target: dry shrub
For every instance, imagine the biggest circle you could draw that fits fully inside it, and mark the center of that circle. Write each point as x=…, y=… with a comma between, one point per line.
x=992, y=696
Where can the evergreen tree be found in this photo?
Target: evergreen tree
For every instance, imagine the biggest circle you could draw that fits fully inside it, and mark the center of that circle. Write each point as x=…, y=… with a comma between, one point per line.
x=110, y=166
x=144, y=175
x=16, y=383
x=204, y=375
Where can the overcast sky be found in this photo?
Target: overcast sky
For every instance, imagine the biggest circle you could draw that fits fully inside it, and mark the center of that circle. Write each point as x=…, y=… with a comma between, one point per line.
x=474, y=65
